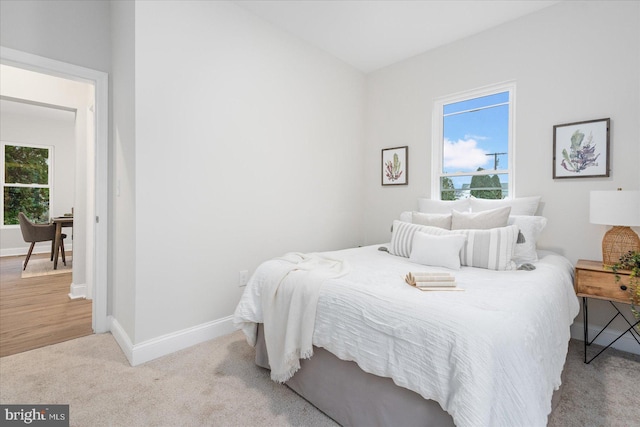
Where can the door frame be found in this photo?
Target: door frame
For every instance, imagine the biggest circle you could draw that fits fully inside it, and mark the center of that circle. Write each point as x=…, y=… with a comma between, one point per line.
x=98, y=227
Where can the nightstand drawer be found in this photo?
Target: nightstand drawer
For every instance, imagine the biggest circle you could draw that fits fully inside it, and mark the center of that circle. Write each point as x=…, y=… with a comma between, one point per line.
x=603, y=285
x=592, y=280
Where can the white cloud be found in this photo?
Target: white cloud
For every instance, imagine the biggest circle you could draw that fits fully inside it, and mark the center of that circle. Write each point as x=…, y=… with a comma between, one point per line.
x=464, y=155
x=476, y=137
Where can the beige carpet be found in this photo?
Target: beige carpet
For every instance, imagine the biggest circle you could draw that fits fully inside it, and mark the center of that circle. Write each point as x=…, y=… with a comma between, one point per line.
x=44, y=267
x=216, y=384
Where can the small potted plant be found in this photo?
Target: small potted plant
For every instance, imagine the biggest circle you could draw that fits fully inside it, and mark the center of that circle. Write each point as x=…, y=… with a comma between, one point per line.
x=631, y=262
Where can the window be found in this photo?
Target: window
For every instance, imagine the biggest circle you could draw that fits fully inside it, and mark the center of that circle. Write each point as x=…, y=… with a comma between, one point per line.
x=473, y=144
x=26, y=182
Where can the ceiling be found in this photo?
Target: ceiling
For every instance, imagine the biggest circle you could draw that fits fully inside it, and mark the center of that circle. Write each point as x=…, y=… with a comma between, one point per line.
x=36, y=110
x=371, y=34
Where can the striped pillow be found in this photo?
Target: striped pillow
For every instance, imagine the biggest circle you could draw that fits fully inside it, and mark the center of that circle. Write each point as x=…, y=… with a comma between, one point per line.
x=402, y=237
x=491, y=249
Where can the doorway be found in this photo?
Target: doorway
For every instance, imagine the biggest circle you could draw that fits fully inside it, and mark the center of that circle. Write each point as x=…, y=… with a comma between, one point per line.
x=95, y=216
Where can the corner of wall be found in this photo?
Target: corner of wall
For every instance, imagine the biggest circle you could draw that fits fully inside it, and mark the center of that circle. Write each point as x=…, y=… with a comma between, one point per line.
x=154, y=348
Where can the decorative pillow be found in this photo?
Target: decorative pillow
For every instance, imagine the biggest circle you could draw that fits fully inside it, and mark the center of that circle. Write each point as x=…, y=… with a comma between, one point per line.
x=492, y=249
x=519, y=206
x=402, y=237
x=437, y=251
x=442, y=206
x=433, y=220
x=530, y=228
x=480, y=220
x=406, y=216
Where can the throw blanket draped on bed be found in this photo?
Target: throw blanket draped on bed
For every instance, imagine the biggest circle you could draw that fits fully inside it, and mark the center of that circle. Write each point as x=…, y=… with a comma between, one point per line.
x=289, y=300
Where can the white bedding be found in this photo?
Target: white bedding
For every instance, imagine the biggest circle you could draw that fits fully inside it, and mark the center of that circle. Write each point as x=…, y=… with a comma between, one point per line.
x=491, y=355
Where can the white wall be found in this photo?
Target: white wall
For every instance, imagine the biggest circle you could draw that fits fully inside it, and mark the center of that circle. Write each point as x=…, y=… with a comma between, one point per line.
x=572, y=62
x=123, y=235
x=248, y=144
x=76, y=32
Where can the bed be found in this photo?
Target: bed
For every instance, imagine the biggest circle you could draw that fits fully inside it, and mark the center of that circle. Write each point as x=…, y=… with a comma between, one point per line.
x=385, y=353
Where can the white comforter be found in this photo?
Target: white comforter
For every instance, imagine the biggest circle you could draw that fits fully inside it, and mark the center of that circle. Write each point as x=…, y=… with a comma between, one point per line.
x=491, y=355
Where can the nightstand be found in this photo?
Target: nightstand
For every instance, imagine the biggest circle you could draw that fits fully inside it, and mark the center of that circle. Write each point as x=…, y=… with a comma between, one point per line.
x=592, y=280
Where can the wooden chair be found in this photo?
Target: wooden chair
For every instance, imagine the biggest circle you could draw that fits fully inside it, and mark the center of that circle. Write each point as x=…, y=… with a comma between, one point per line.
x=33, y=233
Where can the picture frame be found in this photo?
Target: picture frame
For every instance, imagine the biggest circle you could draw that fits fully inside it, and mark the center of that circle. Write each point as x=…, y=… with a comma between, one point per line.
x=395, y=166
x=581, y=149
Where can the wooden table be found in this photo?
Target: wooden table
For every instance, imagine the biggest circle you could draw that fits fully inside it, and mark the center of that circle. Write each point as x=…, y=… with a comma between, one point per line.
x=592, y=280
x=62, y=221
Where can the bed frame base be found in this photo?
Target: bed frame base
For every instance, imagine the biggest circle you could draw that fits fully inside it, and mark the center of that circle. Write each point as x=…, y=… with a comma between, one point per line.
x=352, y=397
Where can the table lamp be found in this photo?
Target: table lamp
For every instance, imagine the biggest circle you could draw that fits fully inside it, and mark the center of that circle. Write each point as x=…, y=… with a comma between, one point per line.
x=621, y=209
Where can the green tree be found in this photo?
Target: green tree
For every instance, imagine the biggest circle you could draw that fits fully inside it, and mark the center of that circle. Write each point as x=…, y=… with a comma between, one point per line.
x=447, y=189
x=26, y=166
x=486, y=186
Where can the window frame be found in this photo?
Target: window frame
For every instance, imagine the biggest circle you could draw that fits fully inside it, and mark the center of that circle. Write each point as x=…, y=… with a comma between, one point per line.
x=438, y=136
x=4, y=184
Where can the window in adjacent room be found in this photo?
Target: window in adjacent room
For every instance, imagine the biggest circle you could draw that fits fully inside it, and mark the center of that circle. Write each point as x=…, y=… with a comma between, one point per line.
x=473, y=144
x=26, y=182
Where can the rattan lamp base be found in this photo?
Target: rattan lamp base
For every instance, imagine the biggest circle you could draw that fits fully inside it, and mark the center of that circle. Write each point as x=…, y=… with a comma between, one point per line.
x=617, y=242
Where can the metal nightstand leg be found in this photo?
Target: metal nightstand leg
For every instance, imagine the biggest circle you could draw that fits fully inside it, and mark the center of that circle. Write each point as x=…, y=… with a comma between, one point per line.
x=585, y=323
x=586, y=329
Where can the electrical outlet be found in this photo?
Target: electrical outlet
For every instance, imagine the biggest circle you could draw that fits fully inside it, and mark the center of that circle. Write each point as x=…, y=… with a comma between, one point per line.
x=243, y=278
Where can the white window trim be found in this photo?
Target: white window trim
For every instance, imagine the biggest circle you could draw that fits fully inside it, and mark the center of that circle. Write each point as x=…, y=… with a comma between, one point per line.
x=3, y=184
x=437, y=132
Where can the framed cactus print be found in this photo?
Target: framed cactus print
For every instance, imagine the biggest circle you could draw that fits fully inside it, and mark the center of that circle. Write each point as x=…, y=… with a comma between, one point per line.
x=395, y=167
x=581, y=149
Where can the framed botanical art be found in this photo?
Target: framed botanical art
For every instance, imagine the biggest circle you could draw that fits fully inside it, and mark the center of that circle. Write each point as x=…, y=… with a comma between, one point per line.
x=395, y=166
x=581, y=149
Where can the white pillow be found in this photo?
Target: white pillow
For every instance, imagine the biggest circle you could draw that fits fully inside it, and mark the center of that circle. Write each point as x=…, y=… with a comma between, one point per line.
x=530, y=228
x=402, y=238
x=442, y=206
x=437, y=251
x=492, y=249
x=519, y=206
x=433, y=220
x=480, y=220
x=406, y=216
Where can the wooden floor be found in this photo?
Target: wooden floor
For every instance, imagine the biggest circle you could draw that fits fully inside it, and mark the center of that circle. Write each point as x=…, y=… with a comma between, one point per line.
x=36, y=311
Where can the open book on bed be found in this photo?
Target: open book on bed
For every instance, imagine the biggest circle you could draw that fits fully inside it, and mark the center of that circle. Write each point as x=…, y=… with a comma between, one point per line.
x=432, y=281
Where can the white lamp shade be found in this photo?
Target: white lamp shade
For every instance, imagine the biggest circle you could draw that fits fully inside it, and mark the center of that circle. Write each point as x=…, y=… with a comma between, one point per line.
x=618, y=208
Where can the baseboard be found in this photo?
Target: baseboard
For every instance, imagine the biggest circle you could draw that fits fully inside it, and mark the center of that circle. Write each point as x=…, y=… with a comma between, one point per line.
x=78, y=291
x=625, y=343
x=170, y=343
x=121, y=338
x=39, y=248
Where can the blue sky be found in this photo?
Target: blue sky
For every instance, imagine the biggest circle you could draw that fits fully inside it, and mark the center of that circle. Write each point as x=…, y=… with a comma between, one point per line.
x=471, y=135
